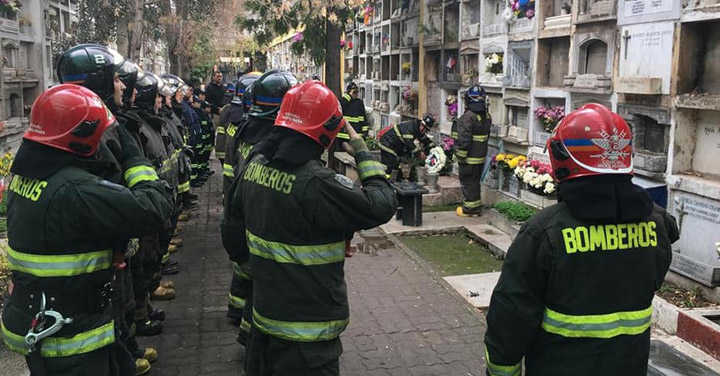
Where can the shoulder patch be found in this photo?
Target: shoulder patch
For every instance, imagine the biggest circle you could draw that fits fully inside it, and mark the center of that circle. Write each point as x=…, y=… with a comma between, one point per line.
x=345, y=181
x=111, y=185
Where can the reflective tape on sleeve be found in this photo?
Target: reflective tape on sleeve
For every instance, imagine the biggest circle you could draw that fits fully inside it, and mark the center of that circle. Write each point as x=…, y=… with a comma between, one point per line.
x=137, y=174
x=228, y=170
x=367, y=169
x=236, y=301
x=478, y=138
x=499, y=370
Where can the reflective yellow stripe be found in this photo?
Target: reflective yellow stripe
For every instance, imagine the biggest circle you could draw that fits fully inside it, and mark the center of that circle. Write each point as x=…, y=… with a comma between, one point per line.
x=387, y=149
x=498, y=370
x=320, y=254
x=55, y=347
x=343, y=136
x=461, y=153
x=300, y=331
x=228, y=170
x=231, y=130
x=597, y=326
x=137, y=174
x=220, y=154
x=474, y=161
x=454, y=135
x=408, y=137
x=59, y=265
x=245, y=326
x=347, y=96
x=397, y=131
x=166, y=257
x=220, y=129
x=184, y=187
x=472, y=204
x=241, y=270
x=365, y=128
x=370, y=168
x=480, y=138
x=354, y=119
x=236, y=302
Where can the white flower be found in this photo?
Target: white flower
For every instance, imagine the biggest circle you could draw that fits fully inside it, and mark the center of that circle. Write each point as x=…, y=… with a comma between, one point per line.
x=528, y=177
x=435, y=160
x=550, y=188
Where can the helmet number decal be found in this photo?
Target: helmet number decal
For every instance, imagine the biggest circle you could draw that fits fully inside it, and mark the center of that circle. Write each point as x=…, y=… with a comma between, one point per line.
x=99, y=59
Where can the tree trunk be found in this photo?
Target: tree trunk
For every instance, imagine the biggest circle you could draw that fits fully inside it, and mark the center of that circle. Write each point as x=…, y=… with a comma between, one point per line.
x=136, y=34
x=332, y=75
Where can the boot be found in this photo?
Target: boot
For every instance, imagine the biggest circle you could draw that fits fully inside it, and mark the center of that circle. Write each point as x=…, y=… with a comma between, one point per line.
x=463, y=212
x=148, y=328
x=150, y=354
x=178, y=242
x=183, y=217
x=168, y=284
x=189, y=205
x=161, y=293
x=156, y=315
x=191, y=197
x=142, y=367
x=172, y=248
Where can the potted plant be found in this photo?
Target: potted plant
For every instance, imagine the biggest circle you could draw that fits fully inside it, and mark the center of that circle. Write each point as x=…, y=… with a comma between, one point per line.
x=410, y=97
x=550, y=116
x=470, y=77
x=493, y=63
x=406, y=68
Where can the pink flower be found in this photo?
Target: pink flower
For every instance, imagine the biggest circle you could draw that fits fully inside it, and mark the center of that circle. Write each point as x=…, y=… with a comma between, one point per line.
x=298, y=37
x=530, y=13
x=516, y=5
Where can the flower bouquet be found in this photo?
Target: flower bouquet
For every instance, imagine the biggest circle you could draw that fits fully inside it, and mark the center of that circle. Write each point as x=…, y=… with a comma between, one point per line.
x=550, y=116
x=537, y=177
x=435, y=161
x=519, y=9
x=406, y=67
x=493, y=63
x=410, y=96
x=9, y=7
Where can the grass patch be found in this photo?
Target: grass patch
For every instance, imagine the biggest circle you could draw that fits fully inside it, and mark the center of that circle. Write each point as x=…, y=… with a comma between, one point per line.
x=4, y=276
x=516, y=211
x=453, y=254
x=681, y=297
x=439, y=208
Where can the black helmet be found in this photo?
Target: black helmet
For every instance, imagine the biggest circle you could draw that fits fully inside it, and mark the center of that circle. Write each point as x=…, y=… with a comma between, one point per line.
x=428, y=120
x=244, y=82
x=248, y=97
x=474, y=94
x=351, y=86
x=90, y=65
x=148, y=87
x=268, y=92
x=129, y=73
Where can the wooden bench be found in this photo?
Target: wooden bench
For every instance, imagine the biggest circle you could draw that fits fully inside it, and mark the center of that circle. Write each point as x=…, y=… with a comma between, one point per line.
x=410, y=197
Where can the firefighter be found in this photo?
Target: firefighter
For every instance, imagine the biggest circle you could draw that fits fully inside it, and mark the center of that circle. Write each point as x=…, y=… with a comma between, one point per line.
x=268, y=92
x=353, y=110
x=231, y=118
x=98, y=68
x=399, y=140
x=192, y=123
x=296, y=251
x=575, y=294
x=471, y=146
x=173, y=110
x=207, y=131
x=64, y=221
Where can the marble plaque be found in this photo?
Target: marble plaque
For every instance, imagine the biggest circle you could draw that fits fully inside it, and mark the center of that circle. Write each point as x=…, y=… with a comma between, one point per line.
x=699, y=220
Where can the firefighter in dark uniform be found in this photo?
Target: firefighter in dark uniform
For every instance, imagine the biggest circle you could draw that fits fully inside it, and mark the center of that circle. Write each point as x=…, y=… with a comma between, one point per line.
x=64, y=223
x=267, y=95
x=192, y=123
x=231, y=117
x=98, y=68
x=399, y=140
x=297, y=251
x=147, y=262
x=575, y=294
x=173, y=110
x=353, y=110
x=471, y=146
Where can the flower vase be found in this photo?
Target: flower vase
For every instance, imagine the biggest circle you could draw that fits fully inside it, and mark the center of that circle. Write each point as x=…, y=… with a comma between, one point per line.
x=432, y=182
x=420, y=174
x=405, y=169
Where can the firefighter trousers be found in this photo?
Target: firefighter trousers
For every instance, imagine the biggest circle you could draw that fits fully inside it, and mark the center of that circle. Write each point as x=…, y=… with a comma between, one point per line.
x=111, y=360
x=470, y=186
x=271, y=356
x=391, y=163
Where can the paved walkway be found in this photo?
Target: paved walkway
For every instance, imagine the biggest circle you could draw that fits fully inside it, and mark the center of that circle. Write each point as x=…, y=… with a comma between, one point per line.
x=403, y=321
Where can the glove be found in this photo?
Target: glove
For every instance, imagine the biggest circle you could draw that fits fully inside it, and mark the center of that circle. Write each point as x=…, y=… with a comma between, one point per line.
x=188, y=151
x=130, y=149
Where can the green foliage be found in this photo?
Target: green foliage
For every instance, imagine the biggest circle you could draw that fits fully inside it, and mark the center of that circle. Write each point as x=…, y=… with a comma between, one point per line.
x=515, y=211
x=3, y=224
x=3, y=206
x=269, y=18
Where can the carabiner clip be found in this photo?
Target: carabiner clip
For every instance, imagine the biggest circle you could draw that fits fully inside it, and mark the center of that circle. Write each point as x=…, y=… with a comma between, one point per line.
x=37, y=332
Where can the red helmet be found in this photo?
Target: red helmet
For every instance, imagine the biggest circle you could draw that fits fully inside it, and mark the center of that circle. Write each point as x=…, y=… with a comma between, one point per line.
x=591, y=140
x=313, y=110
x=70, y=118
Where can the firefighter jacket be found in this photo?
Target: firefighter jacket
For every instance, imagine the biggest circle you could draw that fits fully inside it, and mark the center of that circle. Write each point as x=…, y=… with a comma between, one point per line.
x=353, y=110
x=192, y=124
x=471, y=145
x=150, y=139
x=206, y=128
x=63, y=224
x=400, y=140
x=575, y=294
x=252, y=131
x=232, y=117
x=169, y=169
x=178, y=134
x=297, y=250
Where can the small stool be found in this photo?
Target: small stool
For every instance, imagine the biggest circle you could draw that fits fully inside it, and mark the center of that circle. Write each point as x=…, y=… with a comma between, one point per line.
x=410, y=197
